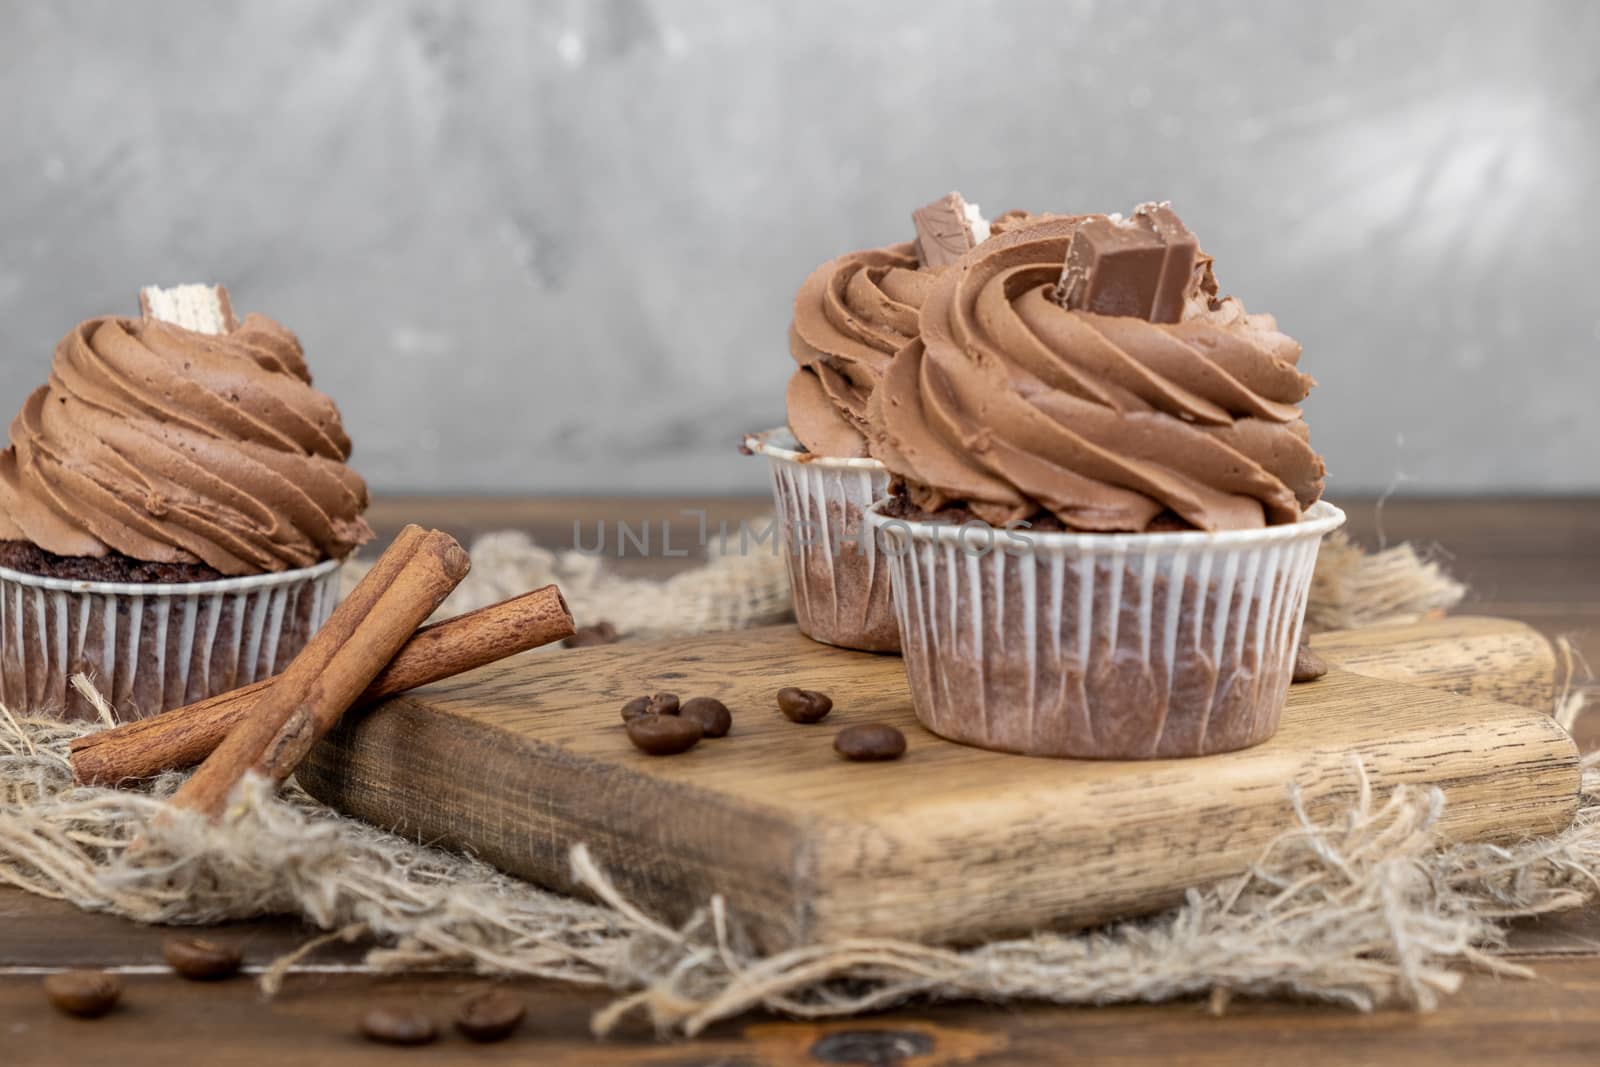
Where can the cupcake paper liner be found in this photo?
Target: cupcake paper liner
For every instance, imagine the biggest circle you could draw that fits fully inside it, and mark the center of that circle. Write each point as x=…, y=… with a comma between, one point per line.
x=152, y=647
x=1101, y=646
x=837, y=570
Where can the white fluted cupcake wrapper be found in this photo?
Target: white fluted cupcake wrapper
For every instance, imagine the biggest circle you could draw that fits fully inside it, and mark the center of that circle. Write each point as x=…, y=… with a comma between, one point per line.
x=1102, y=646
x=837, y=572
x=151, y=647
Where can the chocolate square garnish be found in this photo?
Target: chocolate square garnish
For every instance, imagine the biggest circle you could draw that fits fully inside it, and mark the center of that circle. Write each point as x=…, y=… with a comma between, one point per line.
x=944, y=234
x=1140, y=267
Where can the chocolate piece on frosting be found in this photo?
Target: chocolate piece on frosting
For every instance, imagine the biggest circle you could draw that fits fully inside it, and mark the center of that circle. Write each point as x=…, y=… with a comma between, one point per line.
x=198, y=308
x=947, y=229
x=1141, y=267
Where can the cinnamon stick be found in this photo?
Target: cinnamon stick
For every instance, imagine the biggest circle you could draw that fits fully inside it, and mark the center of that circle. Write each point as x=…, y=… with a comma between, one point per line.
x=408, y=582
x=184, y=736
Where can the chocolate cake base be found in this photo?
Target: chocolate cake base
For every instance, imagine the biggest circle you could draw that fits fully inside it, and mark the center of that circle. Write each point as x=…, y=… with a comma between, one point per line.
x=1112, y=649
x=148, y=650
x=31, y=559
x=901, y=507
x=837, y=572
x=842, y=593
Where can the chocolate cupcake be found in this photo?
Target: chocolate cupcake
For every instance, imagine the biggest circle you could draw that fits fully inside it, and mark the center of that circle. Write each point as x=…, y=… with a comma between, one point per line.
x=174, y=505
x=1107, y=510
x=851, y=316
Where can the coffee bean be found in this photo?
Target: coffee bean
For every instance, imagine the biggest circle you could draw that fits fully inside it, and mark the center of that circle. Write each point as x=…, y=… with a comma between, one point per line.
x=86, y=994
x=864, y=1046
x=200, y=959
x=601, y=633
x=1308, y=666
x=710, y=713
x=660, y=704
x=804, y=705
x=664, y=735
x=490, y=1016
x=870, y=741
x=398, y=1026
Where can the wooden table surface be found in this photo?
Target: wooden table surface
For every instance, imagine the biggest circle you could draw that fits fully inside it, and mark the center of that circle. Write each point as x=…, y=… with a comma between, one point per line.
x=1531, y=559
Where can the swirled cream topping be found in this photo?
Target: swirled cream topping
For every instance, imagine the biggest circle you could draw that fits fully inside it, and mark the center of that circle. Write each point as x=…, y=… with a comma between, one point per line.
x=851, y=315
x=1012, y=405
x=855, y=312
x=168, y=445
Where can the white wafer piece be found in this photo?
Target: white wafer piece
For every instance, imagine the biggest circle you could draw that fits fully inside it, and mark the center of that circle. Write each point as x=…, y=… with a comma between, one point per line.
x=200, y=308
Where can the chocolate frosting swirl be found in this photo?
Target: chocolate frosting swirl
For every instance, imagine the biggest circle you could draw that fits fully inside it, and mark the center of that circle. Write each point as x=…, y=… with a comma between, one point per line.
x=179, y=447
x=851, y=315
x=1012, y=405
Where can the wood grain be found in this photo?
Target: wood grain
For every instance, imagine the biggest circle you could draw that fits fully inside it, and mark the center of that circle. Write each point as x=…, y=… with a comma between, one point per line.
x=1493, y=659
x=521, y=761
x=1553, y=1020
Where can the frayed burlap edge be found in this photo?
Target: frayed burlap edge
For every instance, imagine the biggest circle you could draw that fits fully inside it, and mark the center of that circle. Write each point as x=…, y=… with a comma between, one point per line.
x=731, y=591
x=1368, y=909
x=1352, y=587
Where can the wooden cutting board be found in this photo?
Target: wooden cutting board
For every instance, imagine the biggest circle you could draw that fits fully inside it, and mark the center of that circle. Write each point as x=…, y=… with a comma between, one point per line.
x=521, y=761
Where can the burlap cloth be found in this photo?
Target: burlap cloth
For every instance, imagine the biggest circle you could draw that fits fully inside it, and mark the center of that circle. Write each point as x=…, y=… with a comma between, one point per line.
x=1366, y=910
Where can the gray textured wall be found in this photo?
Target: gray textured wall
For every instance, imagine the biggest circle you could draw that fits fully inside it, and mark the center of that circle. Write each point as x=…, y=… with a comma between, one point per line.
x=552, y=246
